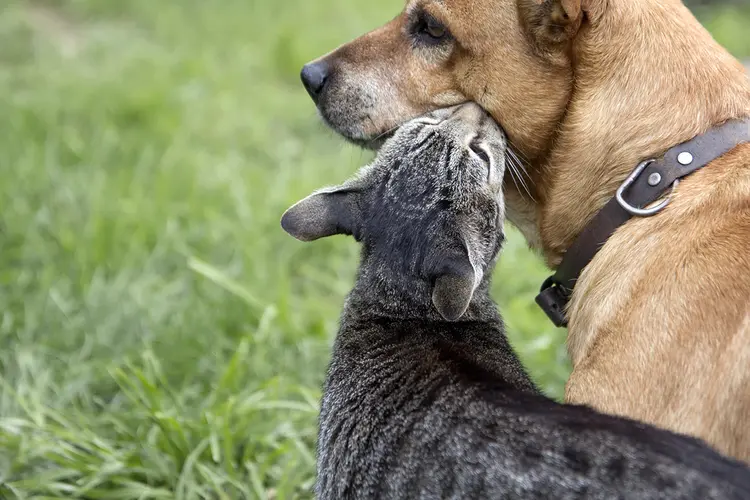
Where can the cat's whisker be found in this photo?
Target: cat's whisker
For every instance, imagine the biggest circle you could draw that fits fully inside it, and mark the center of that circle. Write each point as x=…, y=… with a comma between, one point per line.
x=518, y=171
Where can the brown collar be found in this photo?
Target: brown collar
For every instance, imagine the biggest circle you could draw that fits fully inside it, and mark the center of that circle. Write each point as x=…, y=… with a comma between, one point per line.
x=645, y=185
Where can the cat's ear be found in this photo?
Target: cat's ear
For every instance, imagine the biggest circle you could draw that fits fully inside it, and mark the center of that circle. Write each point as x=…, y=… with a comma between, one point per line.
x=324, y=213
x=455, y=280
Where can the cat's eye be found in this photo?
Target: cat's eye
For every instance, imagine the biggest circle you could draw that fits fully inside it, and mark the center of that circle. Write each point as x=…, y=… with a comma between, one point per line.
x=477, y=149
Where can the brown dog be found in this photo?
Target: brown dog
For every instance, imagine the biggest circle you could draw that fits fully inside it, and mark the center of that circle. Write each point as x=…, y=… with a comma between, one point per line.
x=659, y=321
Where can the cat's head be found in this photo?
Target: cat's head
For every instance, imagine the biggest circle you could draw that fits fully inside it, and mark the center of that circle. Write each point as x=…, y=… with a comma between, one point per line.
x=429, y=208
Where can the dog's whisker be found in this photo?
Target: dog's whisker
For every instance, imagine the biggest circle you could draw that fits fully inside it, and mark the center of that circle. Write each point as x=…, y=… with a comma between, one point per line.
x=386, y=132
x=372, y=122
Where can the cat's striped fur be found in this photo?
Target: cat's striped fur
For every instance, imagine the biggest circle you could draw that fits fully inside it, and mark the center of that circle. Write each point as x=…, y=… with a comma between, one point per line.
x=419, y=407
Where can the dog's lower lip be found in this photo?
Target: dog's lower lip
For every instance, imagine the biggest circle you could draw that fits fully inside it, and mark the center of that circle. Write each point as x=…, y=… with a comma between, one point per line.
x=373, y=144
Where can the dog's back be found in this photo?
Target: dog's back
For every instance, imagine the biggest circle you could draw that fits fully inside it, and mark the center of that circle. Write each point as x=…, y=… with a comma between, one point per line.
x=587, y=90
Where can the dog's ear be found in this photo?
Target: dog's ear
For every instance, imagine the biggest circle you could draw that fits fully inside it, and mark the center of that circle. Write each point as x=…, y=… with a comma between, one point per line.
x=455, y=280
x=324, y=213
x=551, y=22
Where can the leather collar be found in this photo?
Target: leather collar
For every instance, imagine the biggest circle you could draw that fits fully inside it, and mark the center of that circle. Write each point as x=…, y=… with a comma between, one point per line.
x=648, y=183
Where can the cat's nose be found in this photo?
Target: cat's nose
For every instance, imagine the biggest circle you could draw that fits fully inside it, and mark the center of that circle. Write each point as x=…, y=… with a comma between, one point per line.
x=470, y=112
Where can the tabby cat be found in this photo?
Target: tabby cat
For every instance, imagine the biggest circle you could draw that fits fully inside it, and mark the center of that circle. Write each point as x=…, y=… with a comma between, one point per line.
x=425, y=397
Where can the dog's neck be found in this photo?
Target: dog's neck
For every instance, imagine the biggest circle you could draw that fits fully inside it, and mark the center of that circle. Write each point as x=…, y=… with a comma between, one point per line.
x=647, y=77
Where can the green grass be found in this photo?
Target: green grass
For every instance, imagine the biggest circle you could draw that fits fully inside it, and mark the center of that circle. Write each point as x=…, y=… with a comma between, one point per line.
x=160, y=336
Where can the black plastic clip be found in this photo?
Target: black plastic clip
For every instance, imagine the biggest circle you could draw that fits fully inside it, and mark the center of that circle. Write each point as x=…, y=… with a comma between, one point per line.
x=553, y=298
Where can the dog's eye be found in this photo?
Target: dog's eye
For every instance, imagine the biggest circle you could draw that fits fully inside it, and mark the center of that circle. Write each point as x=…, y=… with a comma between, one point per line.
x=434, y=28
x=430, y=29
x=478, y=150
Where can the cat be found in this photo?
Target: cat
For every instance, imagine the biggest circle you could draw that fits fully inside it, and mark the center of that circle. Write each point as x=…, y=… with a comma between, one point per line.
x=424, y=396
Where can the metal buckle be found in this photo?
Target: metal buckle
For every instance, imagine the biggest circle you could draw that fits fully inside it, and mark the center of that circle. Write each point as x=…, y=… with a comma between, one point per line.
x=641, y=212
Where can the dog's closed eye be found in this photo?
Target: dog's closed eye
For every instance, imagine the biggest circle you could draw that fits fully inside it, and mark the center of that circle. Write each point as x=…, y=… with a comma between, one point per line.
x=434, y=28
x=428, y=29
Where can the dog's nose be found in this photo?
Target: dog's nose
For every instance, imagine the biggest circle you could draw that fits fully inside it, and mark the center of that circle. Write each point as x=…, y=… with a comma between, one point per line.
x=314, y=76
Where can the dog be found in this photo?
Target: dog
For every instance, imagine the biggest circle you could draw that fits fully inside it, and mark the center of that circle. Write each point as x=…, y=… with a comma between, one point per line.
x=659, y=321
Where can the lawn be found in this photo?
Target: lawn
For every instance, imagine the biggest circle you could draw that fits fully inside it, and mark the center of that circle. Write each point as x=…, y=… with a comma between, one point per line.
x=161, y=336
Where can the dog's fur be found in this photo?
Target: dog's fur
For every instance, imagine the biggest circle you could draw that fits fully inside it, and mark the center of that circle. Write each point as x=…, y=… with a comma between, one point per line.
x=586, y=89
x=424, y=396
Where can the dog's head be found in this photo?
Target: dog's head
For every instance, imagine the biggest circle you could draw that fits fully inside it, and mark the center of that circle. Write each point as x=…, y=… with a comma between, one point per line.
x=429, y=210
x=509, y=56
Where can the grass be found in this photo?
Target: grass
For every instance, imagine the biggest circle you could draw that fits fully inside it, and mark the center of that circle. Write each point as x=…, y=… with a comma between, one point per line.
x=160, y=336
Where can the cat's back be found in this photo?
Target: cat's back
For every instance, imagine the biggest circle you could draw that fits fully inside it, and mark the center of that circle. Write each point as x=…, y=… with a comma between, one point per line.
x=426, y=413
x=391, y=392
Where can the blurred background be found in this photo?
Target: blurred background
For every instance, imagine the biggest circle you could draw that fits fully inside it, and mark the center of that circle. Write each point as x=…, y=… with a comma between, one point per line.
x=160, y=336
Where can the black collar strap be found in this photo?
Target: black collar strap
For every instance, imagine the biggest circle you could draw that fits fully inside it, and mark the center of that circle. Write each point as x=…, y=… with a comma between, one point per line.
x=645, y=185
